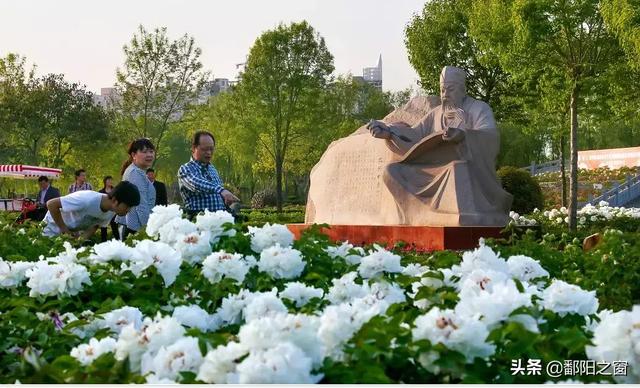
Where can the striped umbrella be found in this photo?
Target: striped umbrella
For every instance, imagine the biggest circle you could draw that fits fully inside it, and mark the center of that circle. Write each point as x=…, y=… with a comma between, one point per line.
x=22, y=171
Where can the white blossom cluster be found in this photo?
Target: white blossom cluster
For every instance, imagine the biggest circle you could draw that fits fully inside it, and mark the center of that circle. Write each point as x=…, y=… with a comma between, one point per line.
x=347, y=252
x=488, y=295
x=617, y=338
x=57, y=276
x=13, y=273
x=589, y=213
x=520, y=220
x=276, y=345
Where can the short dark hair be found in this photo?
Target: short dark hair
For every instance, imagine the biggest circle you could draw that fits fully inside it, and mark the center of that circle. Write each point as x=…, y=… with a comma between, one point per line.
x=80, y=171
x=196, y=137
x=104, y=180
x=150, y=170
x=127, y=193
x=43, y=179
x=140, y=144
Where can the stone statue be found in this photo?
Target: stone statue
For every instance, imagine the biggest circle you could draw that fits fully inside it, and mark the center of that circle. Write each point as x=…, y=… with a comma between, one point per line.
x=440, y=171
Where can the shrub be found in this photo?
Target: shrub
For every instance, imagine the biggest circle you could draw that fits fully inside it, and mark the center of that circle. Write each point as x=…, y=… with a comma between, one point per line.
x=263, y=198
x=524, y=188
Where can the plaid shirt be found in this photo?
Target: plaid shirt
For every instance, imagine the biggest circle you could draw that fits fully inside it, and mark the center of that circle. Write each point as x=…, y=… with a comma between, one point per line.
x=85, y=186
x=200, y=186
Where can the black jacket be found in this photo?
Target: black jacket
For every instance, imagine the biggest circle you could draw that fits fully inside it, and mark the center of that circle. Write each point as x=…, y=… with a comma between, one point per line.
x=161, y=193
x=51, y=193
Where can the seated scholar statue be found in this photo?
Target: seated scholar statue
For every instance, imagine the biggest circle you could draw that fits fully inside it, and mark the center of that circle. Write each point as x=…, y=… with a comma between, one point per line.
x=443, y=169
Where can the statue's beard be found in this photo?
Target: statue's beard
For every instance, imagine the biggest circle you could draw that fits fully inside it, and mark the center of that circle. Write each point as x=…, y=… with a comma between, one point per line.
x=454, y=115
x=450, y=104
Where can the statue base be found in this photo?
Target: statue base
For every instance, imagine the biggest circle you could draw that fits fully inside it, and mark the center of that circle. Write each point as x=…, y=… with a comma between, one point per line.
x=419, y=238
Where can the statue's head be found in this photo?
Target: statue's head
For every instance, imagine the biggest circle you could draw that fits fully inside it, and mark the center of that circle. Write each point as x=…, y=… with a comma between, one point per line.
x=452, y=86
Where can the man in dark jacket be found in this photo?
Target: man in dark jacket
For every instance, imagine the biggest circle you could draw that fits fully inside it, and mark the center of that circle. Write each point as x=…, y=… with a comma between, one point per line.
x=161, y=189
x=46, y=193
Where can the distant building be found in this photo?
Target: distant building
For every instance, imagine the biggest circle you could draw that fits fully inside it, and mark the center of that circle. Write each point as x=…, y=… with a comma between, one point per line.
x=213, y=88
x=373, y=75
x=106, y=98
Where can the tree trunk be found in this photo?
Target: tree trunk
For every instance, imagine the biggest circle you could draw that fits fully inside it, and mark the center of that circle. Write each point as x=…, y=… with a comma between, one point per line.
x=563, y=171
x=279, y=163
x=573, y=187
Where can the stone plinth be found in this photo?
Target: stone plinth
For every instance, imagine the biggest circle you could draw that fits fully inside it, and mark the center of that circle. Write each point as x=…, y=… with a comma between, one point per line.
x=420, y=238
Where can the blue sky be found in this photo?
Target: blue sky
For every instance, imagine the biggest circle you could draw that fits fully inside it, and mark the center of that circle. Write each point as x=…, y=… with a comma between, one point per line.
x=84, y=39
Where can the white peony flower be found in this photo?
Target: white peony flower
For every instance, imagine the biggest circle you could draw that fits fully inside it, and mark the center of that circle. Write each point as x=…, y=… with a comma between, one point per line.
x=213, y=222
x=263, y=305
x=219, y=365
x=222, y=264
x=343, y=250
x=166, y=259
x=181, y=356
x=283, y=364
x=117, y=319
x=13, y=273
x=493, y=305
x=87, y=353
x=346, y=289
x=483, y=258
x=194, y=247
x=112, y=250
x=338, y=323
x=56, y=279
x=161, y=331
x=300, y=293
x=269, y=331
x=480, y=280
x=230, y=310
x=281, y=262
x=132, y=345
x=160, y=216
x=525, y=268
x=268, y=236
x=617, y=338
x=467, y=336
x=171, y=232
x=379, y=261
x=415, y=270
x=389, y=293
x=564, y=298
x=193, y=316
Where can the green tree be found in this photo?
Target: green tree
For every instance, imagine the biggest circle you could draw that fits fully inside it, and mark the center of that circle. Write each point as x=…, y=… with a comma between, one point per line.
x=623, y=19
x=71, y=118
x=286, y=71
x=159, y=79
x=566, y=39
x=44, y=119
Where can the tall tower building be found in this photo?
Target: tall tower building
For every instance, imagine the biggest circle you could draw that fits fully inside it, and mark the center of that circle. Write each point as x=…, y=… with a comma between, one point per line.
x=373, y=75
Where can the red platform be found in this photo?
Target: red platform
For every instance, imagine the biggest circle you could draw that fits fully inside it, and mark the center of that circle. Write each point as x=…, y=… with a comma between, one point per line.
x=421, y=238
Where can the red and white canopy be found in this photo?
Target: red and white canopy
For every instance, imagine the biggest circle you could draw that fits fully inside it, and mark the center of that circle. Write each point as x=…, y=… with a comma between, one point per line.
x=22, y=171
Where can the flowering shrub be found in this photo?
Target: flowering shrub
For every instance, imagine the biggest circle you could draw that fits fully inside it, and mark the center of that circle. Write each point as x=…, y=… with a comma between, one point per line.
x=257, y=307
x=590, y=218
x=592, y=183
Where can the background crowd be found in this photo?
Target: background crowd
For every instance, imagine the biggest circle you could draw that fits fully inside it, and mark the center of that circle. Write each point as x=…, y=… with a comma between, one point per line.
x=125, y=209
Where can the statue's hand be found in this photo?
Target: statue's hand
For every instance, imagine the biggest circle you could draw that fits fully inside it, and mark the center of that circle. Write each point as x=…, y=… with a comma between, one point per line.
x=379, y=129
x=454, y=135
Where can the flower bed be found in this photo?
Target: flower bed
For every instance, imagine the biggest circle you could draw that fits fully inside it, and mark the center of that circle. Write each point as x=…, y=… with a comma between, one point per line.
x=215, y=303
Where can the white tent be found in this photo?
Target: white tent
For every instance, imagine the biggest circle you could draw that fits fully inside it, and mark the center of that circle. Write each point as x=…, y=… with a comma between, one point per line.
x=22, y=171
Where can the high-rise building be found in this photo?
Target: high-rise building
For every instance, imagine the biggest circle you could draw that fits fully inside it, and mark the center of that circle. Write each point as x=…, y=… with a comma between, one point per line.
x=106, y=97
x=213, y=88
x=373, y=75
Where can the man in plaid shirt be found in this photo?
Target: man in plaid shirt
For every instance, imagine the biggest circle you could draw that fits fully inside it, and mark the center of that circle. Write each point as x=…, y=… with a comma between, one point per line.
x=200, y=185
x=80, y=183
